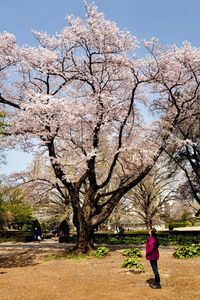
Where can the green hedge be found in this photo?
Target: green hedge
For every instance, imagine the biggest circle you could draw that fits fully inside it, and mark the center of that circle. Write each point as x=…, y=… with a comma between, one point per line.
x=17, y=235
x=173, y=225
x=25, y=237
x=165, y=237
x=136, y=238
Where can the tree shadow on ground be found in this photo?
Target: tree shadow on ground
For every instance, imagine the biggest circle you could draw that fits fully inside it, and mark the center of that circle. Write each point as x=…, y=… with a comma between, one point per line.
x=17, y=259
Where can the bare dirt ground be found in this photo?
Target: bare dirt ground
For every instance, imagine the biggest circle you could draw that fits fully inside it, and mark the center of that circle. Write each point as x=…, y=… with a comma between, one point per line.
x=26, y=275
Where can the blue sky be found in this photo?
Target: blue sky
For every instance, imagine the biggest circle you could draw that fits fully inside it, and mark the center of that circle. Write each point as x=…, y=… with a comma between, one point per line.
x=172, y=21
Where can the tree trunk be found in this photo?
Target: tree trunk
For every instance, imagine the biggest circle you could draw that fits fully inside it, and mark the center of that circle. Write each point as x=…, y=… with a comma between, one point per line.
x=148, y=223
x=85, y=240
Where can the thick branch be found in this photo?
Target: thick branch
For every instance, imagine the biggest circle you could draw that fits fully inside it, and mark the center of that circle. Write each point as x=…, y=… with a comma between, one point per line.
x=7, y=102
x=119, y=140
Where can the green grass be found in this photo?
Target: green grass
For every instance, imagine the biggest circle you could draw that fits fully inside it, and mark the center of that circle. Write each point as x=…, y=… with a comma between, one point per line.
x=64, y=256
x=100, y=252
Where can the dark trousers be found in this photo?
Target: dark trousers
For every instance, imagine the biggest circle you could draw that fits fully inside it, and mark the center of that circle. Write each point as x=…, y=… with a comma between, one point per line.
x=154, y=266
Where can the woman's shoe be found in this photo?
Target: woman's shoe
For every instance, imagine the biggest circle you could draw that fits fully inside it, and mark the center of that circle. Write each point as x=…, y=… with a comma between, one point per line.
x=155, y=286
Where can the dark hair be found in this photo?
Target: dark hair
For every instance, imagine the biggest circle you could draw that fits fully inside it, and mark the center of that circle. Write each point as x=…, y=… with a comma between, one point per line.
x=154, y=234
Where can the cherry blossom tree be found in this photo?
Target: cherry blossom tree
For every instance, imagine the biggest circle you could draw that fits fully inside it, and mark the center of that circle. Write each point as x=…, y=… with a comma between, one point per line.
x=78, y=98
x=177, y=79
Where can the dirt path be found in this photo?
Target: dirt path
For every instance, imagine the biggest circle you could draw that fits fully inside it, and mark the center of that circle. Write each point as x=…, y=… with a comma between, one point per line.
x=25, y=275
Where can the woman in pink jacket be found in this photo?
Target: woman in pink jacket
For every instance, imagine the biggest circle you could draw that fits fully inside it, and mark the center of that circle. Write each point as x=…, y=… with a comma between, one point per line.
x=152, y=254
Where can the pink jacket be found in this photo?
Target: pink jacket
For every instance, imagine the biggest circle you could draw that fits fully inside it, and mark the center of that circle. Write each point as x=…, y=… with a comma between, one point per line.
x=152, y=252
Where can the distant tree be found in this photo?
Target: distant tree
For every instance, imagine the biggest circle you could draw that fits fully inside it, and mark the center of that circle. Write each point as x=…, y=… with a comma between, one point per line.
x=148, y=200
x=120, y=214
x=13, y=207
x=185, y=157
x=181, y=211
x=43, y=190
